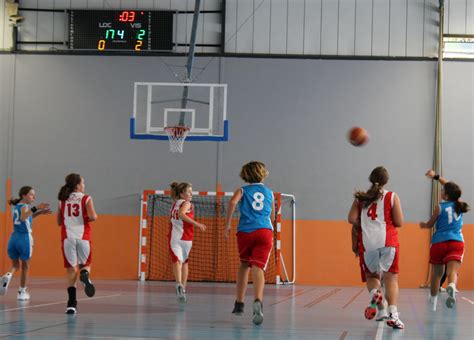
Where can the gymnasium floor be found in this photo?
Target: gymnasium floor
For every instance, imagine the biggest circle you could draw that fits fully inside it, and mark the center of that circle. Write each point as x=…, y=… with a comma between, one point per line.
x=134, y=310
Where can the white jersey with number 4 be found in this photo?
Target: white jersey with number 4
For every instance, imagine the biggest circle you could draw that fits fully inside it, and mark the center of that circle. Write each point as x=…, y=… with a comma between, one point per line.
x=378, y=230
x=75, y=221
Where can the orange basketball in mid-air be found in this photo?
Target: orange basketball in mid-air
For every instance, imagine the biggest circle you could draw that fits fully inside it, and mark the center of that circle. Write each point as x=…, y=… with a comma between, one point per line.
x=358, y=136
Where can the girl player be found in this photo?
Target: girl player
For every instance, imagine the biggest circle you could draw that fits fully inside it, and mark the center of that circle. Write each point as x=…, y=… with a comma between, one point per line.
x=75, y=212
x=379, y=213
x=447, y=243
x=254, y=234
x=20, y=245
x=182, y=234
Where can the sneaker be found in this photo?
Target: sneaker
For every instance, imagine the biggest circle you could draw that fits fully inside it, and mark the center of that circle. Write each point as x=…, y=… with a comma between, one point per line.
x=89, y=288
x=238, y=308
x=371, y=309
x=71, y=307
x=257, y=312
x=180, y=293
x=433, y=302
x=451, y=300
x=23, y=295
x=394, y=321
x=4, y=282
x=382, y=314
x=442, y=290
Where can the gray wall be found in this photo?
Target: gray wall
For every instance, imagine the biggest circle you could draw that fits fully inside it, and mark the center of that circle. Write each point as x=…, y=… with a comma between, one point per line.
x=326, y=27
x=72, y=114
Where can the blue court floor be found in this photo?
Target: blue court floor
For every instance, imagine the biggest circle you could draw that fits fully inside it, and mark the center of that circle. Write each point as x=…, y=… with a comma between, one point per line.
x=134, y=310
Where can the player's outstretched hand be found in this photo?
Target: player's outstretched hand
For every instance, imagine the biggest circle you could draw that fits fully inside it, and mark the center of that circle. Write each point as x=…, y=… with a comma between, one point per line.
x=201, y=226
x=227, y=232
x=430, y=173
x=42, y=206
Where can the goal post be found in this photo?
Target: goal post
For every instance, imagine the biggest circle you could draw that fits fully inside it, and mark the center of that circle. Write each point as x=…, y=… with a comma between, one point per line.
x=213, y=258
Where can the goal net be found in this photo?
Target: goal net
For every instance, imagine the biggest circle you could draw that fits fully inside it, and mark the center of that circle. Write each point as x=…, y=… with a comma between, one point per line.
x=213, y=258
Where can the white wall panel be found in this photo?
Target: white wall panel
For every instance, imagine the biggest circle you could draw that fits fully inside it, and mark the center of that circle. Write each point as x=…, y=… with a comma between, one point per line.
x=398, y=25
x=470, y=18
x=128, y=4
x=27, y=31
x=230, y=26
x=312, y=27
x=329, y=27
x=415, y=24
x=456, y=16
x=261, y=32
x=45, y=29
x=346, y=29
x=245, y=27
x=295, y=32
x=3, y=24
x=380, y=29
x=363, y=27
x=430, y=41
x=112, y=4
x=161, y=4
x=278, y=26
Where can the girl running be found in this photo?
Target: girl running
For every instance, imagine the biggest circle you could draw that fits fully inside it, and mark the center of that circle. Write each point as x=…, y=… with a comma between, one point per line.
x=20, y=245
x=379, y=213
x=182, y=234
x=75, y=212
x=447, y=243
x=254, y=234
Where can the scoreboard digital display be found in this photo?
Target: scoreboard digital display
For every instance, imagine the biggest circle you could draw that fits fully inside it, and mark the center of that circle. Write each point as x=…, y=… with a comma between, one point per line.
x=106, y=30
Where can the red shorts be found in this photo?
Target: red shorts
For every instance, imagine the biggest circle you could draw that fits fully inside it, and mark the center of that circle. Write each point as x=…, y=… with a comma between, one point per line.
x=443, y=252
x=255, y=247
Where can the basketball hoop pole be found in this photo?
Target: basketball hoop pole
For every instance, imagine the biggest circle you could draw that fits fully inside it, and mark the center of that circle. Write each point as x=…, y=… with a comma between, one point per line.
x=189, y=64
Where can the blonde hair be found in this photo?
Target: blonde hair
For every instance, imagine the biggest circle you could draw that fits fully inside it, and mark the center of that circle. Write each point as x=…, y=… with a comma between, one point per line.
x=254, y=172
x=178, y=188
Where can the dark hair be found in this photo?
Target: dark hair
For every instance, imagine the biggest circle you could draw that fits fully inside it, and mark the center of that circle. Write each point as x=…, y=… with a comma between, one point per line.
x=253, y=172
x=453, y=193
x=72, y=180
x=378, y=177
x=23, y=191
x=178, y=188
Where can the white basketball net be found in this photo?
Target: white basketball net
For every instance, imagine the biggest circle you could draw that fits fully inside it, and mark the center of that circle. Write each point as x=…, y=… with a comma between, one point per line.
x=176, y=136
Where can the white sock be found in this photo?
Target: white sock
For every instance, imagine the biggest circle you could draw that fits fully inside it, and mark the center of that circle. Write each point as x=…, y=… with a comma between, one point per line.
x=452, y=284
x=392, y=309
x=8, y=274
x=372, y=292
x=434, y=299
x=22, y=289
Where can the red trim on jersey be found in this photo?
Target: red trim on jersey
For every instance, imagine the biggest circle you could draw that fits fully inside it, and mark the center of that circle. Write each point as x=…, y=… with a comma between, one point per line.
x=391, y=238
x=85, y=217
x=188, y=228
x=62, y=206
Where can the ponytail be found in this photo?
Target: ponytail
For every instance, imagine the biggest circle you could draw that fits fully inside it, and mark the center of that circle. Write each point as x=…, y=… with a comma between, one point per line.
x=461, y=207
x=378, y=177
x=72, y=181
x=23, y=191
x=453, y=193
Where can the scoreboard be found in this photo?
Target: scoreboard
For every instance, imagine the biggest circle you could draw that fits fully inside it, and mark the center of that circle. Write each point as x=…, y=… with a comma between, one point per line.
x=110, y=30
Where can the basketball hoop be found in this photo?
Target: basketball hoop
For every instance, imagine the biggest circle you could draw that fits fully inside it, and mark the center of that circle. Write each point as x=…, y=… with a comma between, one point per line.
x=176, y=136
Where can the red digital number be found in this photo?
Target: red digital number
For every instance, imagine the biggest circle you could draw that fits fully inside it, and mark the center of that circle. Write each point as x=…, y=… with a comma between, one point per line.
x=372, y=212
x=73, y=210
x=127, y=16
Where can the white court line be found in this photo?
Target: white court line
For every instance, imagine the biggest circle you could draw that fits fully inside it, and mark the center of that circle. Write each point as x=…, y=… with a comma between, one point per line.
x=471, y=302
x=57, y=303
x=379, y=334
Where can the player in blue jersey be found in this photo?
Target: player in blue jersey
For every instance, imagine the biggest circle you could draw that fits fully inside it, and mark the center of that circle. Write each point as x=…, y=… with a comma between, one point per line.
x=447, y=243
x=20, y=245
x=254, y=234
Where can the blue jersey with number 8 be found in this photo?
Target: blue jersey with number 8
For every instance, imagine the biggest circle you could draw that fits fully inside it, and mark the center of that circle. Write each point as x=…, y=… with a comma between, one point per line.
x=255, y=208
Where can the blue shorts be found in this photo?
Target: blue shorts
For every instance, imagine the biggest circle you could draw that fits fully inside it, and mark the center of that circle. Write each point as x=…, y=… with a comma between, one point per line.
x=20, y=246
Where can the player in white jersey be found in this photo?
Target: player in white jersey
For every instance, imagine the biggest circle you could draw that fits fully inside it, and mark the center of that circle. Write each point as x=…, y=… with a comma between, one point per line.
x=378, y=213
x=20, y=244
x=181, y=235
x=75, y=212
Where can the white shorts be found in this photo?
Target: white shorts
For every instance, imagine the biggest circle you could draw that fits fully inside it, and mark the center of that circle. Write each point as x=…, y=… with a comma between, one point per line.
x=381, y=260
x=179, y=250
x=76, y=252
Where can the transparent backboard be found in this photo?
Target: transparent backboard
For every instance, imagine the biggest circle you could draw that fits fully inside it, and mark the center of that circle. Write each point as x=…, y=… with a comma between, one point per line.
x=200, y=107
